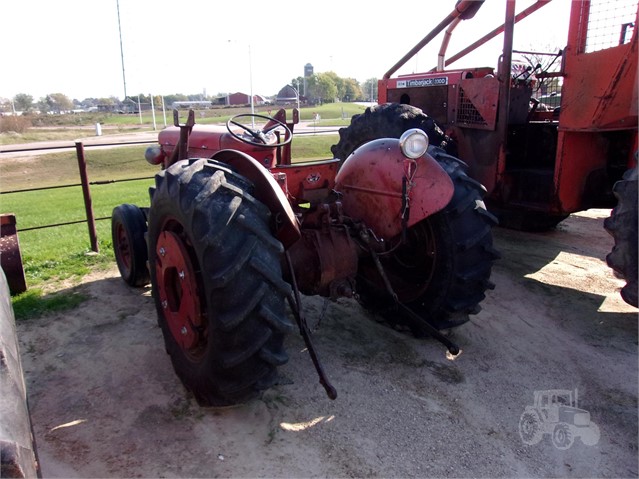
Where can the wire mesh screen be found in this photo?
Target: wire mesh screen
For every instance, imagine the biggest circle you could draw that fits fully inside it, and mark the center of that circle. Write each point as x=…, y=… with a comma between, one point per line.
x=467, y=114
x=610, y=23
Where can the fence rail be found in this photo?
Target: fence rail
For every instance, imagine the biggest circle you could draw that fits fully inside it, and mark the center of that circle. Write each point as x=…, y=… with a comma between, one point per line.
x=84, y=184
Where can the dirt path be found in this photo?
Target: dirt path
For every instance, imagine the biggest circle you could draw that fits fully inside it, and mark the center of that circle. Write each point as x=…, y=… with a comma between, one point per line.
x=106, y=403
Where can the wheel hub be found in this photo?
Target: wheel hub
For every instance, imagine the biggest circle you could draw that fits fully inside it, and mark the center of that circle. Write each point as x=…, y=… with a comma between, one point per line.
x=123, y=246
x=177, y=289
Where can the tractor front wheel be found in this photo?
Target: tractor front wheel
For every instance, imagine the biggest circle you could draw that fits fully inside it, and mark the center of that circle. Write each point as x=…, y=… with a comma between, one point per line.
x=388, y=120
x=562, y=436
x=443, y=268
x=217, y=284
x=128, y=227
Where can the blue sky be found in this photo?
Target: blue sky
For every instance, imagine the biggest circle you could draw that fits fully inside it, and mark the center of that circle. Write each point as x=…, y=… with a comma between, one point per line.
x=188, y=46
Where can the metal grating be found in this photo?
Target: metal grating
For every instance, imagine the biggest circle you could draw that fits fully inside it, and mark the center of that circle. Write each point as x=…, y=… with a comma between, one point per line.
x=610, y=23
x=467, y=114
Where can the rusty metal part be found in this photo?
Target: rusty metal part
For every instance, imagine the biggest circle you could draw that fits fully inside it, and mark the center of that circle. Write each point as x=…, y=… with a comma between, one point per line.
x=325, y=262
x=185, y=132
x=371, y=183
x=464, y=9
x=295, y=302
x=10, y=256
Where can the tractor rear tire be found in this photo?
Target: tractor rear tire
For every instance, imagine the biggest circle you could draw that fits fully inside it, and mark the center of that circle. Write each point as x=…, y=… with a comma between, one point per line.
x=128, y=227
x=443, y=271
x=217, y=282
x=622, y=225
x=530, y=429
x=388, y=120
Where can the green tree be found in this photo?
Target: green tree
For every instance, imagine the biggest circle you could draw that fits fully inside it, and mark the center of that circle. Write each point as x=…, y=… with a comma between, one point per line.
x=55, y=103
x=352, y=90
x=321, y=87
x=298, y=84
x=106, y=101
x=339, y=82
x=369, y=89
x=170, y=99
x=6, y=105
x=23, y=102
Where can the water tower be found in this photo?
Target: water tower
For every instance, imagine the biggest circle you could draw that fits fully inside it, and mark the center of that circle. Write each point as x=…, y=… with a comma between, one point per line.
x=308, y=71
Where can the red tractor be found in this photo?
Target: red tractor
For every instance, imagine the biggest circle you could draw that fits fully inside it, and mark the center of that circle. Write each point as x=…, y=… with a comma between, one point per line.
x=235, y=230
x=548, y=134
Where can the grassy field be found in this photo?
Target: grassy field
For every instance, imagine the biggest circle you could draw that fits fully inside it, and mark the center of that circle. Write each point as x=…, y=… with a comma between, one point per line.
x=70, y=127
x=51, y=255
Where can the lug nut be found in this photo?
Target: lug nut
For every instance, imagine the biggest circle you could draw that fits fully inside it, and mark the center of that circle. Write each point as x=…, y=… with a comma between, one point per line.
x=162, y=251
x=184, y=331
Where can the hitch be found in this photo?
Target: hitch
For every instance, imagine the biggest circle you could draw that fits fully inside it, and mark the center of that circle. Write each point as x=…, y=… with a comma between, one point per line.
x=294, y=301
x=185, y=132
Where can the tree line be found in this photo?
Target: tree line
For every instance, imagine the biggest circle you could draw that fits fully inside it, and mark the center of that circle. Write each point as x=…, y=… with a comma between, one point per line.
x=325, y=87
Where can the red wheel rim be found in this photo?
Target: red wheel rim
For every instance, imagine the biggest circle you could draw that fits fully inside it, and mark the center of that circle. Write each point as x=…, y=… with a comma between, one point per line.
x=123, y=246
x=178, y=293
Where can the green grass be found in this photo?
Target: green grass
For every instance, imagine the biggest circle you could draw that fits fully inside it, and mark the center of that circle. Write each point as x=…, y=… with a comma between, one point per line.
x=35, y=302
x=53, y=169
x=53, y=254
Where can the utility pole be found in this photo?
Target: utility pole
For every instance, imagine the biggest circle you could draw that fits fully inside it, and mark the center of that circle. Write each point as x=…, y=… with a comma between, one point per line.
x=121, y=48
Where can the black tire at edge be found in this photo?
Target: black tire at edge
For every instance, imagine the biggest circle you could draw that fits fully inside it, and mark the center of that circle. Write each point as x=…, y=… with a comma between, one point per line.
x=133, y=220
x=622, y=226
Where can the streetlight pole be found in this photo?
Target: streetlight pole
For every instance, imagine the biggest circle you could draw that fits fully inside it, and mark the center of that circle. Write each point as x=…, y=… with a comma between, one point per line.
x=251, y=87
x=121, y=48
x=297, y=96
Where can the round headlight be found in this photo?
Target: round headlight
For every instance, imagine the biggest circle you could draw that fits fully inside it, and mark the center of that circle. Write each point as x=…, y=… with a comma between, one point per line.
x=413, y=143
x=154, y=155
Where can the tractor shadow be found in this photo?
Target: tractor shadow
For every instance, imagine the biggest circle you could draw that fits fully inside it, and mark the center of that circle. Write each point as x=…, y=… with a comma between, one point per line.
x=565, y=270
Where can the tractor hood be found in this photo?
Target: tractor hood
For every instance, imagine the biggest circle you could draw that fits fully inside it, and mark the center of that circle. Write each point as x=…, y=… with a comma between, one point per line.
x=206, y=140
x=377, y=182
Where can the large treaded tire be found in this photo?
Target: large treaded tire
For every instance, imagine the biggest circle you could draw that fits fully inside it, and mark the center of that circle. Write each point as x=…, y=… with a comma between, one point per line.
x=622, y=225
x=444, y=270
x=388, y=120
x=128, y=227
x=236, y=314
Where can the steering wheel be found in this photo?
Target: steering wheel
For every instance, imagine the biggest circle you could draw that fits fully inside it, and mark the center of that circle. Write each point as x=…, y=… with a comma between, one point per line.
x=265, y=137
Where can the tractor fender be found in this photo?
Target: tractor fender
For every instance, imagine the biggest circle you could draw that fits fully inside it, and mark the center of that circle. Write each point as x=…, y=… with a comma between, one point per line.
x=371, y=184
x=266, y=191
